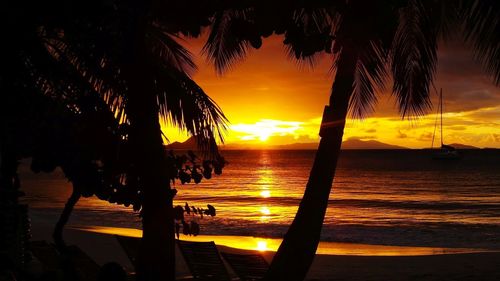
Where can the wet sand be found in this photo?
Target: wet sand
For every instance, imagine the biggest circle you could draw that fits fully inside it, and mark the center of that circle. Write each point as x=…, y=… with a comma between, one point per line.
x=363, y=262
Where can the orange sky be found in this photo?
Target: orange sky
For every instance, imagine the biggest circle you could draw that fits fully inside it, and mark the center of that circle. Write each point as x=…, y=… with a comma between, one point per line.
x=271, y=100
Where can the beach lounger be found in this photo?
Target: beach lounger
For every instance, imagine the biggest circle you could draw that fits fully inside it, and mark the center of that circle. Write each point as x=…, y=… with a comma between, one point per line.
x=79, y=263
x=46, y=254
x=248, y=267
x=87, y=268
x=203, y=260
x=131, y=247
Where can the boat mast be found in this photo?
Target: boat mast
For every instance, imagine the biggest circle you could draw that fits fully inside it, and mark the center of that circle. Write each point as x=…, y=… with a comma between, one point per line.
x=441, y=106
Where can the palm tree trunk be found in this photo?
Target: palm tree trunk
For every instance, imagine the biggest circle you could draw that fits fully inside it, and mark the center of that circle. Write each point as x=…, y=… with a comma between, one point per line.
x=63, y=219
x=297, y=251
x=156, y=260
x=9, y=181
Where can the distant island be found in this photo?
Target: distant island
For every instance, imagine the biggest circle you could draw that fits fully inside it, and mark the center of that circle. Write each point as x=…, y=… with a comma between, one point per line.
x=347, y=144
x=190, y=144
x=463, y=146
x=352, y=143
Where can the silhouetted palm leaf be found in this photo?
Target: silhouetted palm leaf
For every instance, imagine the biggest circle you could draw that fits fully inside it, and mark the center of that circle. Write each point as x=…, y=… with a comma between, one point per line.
x=228, y=40
x=414, y=58
x=184, y=104
x=309, y=33
x=482, y=31
x=170, y=51
x=371, y=77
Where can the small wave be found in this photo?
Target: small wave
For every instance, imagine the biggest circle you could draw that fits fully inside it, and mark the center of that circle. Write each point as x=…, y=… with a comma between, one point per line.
x=359, y=203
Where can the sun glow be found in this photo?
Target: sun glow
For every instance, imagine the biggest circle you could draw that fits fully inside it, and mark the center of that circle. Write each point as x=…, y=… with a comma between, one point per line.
x=266, y=128
x=262, y=246
x=263, y=136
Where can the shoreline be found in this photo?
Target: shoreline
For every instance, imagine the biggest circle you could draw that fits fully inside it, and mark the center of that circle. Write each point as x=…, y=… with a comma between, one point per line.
x=103, y=247
x=271, y=244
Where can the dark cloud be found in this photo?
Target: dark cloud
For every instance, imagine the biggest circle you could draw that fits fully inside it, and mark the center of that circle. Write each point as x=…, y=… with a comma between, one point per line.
x=465, y=84
x=471, y=100
x=488, y=114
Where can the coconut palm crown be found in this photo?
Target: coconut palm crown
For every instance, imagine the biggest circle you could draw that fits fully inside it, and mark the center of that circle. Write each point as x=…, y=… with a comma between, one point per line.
x=369, y=42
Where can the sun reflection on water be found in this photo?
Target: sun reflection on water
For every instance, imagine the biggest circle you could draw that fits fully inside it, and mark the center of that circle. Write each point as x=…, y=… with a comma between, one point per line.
x=265, y=193
x=262, y=246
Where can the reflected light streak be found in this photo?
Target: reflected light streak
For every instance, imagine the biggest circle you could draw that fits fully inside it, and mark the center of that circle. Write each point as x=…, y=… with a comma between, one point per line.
x=265, y=193
x=262, y=246
x=265, y=211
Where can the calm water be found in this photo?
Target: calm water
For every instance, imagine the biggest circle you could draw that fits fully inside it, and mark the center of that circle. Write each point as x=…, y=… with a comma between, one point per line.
x=379, y=197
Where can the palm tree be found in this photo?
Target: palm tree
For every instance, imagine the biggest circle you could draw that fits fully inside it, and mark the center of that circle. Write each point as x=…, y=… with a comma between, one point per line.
x=155, y=69
x=130, y=58
x=370, y=40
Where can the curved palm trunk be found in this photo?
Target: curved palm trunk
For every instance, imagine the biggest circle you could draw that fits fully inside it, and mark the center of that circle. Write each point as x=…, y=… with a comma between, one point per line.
x=63, y=219
x=297, y=251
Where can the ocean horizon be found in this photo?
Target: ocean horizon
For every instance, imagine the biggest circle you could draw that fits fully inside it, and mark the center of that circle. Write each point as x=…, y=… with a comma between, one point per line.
x=379, y=197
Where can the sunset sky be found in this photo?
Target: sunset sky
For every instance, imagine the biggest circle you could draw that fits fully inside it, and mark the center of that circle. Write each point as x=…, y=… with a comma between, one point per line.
x=271, y=100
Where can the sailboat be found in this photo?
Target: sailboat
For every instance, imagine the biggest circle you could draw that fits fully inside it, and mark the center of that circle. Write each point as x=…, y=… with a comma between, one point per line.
x=446, y=152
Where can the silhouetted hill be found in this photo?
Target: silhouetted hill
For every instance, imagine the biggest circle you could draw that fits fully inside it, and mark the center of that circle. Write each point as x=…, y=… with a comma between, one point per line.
x=370, y=144
x=299, y=146
x=463, y=146
x=189, y=144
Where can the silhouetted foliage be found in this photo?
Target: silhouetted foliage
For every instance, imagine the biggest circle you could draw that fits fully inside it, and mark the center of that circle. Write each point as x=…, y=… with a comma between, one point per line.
x=370, y=41
x=82, y=85
x=73, y=57
x=120, y=188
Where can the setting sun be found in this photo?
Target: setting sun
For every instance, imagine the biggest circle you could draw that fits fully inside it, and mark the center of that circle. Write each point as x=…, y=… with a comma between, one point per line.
x=265, y=128
x=264, y=136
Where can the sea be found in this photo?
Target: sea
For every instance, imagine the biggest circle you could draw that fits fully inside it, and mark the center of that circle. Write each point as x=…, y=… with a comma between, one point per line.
x=379, y=197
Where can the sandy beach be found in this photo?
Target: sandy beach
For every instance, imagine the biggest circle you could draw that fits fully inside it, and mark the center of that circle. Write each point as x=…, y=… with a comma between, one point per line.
x=103, y=247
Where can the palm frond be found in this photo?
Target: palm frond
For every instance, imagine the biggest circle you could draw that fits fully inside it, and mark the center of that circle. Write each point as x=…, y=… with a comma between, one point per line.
x=170, y=51
x=414, y=58
x=185, y=105
x=83, y=75
x=308, y=34
x=482, y=31
x=227, y=43
x=371, y=76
